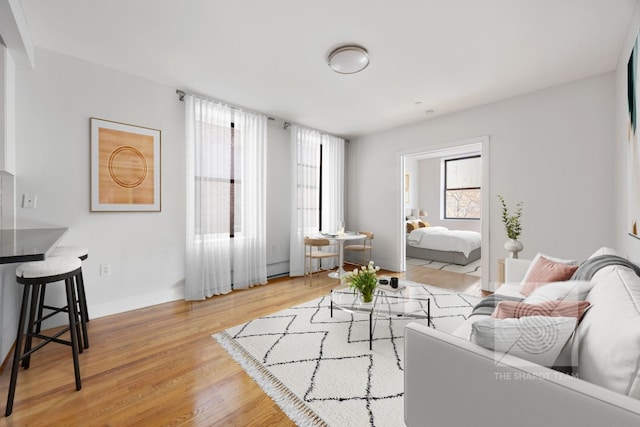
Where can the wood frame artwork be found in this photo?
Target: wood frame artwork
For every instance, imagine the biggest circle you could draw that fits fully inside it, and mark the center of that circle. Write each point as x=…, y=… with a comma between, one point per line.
x=125, y=167
x=407, y=188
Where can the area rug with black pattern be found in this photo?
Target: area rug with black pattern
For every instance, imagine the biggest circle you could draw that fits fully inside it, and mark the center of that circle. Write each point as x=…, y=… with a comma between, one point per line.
x=319, y=368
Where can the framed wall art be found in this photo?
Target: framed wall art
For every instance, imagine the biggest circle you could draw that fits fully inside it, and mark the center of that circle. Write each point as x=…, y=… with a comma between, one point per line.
x=125, y=167
x=407, y=188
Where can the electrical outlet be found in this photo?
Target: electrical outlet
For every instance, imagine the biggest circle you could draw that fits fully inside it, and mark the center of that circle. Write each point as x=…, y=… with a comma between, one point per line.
x=105, y=269
x=29, y=201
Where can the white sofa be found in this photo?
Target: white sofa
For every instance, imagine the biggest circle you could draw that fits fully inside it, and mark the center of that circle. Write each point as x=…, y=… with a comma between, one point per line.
x=450, y=381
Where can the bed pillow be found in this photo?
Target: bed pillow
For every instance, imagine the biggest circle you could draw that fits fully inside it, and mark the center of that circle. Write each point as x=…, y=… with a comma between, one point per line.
x=411, y=226
x=518, y=309
x=423, y=224
x=543, y=270
x=539, y=339
x=569, y=290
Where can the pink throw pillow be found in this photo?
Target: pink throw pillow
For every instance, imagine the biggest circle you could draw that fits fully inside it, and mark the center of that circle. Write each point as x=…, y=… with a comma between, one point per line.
x=518, y=309
x=545, y=271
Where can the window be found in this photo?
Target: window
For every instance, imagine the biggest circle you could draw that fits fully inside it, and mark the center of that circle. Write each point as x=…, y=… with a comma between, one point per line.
x=310, y=182
x=216, y=180
x=462, y=195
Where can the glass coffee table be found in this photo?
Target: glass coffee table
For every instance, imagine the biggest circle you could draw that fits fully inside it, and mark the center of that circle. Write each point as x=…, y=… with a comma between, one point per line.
x=407, y=301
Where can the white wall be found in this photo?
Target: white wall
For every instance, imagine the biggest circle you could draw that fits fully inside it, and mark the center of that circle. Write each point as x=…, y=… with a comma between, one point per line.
x=626, y=245
x=411, y=169
x=146, y=250
x=10, y=297
x=551, y=149
x=278, y=198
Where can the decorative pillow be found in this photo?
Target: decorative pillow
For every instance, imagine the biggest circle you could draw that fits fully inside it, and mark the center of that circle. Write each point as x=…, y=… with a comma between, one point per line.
x=606, y=347
x=570, y=290
x=540, y=254
x=422, y=224
x=411, y=226
x=538, y=339
x=544, y=270
x=518, y=309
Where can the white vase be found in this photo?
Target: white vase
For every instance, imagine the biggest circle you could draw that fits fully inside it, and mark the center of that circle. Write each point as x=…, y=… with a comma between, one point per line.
x=514, y=246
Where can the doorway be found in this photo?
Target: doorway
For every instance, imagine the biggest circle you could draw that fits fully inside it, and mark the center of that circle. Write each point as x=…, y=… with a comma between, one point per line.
x=424, y=199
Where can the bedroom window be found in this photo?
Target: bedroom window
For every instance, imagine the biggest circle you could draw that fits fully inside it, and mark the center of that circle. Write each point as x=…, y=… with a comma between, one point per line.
x=462, y=188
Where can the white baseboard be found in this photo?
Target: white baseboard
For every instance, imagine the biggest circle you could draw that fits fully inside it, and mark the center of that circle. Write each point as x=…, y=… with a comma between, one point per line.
x=135, y=302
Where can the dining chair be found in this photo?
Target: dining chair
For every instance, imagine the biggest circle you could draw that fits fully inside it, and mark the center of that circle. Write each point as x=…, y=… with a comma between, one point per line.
x=364, y=247
x=313, y=251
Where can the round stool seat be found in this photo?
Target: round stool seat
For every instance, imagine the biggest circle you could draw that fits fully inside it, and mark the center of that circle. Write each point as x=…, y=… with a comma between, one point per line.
x=72, y=251
x=52, y=266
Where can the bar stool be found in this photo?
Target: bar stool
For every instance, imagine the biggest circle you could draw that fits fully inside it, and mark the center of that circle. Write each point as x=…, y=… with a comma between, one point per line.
x=34, y=275
x=83, y=312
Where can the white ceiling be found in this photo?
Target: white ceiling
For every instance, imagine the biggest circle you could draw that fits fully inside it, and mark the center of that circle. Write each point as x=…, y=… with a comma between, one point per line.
x=270, y=56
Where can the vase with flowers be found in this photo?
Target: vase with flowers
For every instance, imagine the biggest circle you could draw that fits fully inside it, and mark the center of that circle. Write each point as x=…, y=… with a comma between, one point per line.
x=364, y=280
x=512, y=226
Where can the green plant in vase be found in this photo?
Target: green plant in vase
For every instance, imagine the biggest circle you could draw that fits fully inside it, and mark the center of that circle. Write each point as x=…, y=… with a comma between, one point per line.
x=511, y=221
x=512, y=226
x=364, y=280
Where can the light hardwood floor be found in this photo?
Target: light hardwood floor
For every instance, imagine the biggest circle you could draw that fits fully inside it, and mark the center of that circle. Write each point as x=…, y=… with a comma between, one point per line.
x=160, y=366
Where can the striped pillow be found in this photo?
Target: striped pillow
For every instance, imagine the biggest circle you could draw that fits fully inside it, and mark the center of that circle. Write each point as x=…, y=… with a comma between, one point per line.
x=558, y=308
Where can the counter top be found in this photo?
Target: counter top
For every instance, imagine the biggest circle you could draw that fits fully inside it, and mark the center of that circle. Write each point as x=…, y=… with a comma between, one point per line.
x=31, y=244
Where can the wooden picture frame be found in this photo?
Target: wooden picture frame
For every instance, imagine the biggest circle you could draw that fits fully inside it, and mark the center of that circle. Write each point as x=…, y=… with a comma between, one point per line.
x=125, y=167
x=407, y=188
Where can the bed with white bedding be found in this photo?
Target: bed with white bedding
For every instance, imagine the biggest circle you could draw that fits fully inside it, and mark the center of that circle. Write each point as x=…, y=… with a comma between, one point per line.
x=441, y=244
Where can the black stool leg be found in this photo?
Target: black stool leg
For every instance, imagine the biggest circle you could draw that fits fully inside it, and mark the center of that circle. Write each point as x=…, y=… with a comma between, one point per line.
x=35, y=291
x=73, y=322
x=78, y=323
x=41, y=306
x=83, y=298
x=83, y=314
x=16, y=352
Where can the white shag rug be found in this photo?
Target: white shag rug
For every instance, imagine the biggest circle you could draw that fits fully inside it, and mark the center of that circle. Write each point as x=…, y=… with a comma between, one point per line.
x=320, y=370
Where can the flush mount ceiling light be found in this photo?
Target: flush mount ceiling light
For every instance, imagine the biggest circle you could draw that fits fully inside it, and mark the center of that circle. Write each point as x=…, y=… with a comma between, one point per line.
x=348, y=59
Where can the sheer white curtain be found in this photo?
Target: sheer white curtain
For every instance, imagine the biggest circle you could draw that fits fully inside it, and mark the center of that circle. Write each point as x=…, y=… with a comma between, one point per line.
x=332, y=182
x=305, y=193
x=250, y=241
x=225, y=198
x=306, y=146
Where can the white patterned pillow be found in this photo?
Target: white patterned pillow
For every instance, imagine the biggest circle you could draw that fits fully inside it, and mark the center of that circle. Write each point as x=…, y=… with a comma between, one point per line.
x=539, y=339
x=570, y=290
x=607, y=343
